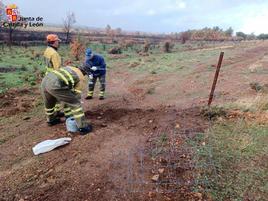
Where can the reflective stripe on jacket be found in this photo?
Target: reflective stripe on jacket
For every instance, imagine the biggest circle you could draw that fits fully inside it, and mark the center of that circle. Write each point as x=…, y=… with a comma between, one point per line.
x=72, y=77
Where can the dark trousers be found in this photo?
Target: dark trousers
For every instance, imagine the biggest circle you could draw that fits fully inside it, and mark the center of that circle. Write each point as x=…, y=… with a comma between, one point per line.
x=92, y=82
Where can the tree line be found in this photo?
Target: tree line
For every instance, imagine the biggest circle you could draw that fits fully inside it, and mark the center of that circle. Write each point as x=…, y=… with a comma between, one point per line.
x=205, y=34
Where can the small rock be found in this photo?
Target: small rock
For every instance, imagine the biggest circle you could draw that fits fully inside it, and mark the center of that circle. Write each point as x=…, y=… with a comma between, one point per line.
x=198, y=195
x=163, y=161
x=155, y=177
x=103, y=125
x=99, y=117
x=178, y=142
x=161, y=170
x=26, y=118
x=150, y=121
x=151, y=194
x=255, y=86
x=203, y=143
x=177, y=126
x=51, y=180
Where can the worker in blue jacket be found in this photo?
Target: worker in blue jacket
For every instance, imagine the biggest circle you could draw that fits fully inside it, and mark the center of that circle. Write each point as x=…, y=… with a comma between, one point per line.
x=98, y=68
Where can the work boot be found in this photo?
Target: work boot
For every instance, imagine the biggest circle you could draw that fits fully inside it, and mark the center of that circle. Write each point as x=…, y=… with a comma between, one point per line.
x=54, y=122
x=89, y=97
x=101, y=95
x=85, y=130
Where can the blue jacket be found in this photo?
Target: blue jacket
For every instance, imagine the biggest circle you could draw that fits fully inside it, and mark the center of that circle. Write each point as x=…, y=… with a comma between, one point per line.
x=97, y=61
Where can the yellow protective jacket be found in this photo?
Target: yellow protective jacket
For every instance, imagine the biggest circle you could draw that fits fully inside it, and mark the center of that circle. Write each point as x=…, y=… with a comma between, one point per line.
x=80, y=86
x=52, y=59
x=72, y=77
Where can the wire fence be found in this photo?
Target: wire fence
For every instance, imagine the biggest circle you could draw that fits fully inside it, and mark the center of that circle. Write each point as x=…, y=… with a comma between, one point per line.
x=157, y=167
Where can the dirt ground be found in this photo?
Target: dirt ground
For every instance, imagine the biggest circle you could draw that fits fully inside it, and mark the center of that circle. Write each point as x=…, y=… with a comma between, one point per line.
x=138, y=148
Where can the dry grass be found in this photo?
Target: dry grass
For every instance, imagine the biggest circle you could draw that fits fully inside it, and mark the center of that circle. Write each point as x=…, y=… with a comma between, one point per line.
x=231, y=160
x=258, y=103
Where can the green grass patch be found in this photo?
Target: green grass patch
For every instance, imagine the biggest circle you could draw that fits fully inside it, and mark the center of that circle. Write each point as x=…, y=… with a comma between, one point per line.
x=30, y=60
x=9, y=80
x=159, y=145
x=231, y=159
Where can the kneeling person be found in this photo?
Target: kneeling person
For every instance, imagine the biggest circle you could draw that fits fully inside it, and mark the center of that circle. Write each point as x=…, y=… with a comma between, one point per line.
x=61, y=86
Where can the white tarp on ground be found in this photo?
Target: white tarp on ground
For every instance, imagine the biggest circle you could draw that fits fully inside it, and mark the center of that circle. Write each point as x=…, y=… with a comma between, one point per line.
x=49, y=145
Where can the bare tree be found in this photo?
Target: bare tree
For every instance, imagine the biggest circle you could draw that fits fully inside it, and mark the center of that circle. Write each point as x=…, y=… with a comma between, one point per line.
x=108, y=29
x=118, y=31
x=146, y=46
x=184, y=36
x=111, y=33
x=229, y=32
x=68, y=23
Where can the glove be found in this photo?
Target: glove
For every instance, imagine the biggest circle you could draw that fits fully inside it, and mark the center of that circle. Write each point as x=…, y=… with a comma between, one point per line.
x=94, y=68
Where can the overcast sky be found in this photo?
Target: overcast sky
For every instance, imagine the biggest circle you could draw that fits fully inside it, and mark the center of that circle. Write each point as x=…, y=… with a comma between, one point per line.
x=154, y=15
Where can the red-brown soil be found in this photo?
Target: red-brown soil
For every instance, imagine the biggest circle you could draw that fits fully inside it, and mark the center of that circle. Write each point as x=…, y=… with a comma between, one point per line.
x=127, y=141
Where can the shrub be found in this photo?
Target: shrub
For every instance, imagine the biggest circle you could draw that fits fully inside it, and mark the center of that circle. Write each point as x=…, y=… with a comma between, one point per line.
x=23, y=68
x=146, y=47
x=255, y=86
x=103, y=47
x=30, y=78
x=115, y=50
x=77, y=47
x=213, y=112
x=184, y=36
x=167, y=46
x=126, y=44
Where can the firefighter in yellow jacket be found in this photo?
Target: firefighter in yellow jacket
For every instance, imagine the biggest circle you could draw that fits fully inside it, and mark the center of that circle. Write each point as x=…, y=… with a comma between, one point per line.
x=53, y=62
x=52, y=57
x=62, y=86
